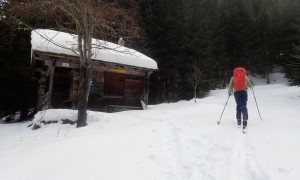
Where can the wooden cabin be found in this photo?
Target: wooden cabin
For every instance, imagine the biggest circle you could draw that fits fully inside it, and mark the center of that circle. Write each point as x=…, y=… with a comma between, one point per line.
x=120, y=76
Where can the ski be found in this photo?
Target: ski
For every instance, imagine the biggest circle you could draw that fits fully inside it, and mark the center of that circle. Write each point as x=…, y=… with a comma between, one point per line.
x=244, y=130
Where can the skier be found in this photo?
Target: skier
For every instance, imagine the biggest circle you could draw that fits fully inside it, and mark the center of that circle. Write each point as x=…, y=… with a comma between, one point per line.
x=239, y=84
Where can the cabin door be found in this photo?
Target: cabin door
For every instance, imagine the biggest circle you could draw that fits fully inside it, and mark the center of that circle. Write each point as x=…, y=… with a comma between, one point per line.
x=61, y=88
x=128, y=88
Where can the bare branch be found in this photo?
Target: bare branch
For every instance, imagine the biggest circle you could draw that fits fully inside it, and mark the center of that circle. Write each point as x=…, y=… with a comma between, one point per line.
x=195, y=77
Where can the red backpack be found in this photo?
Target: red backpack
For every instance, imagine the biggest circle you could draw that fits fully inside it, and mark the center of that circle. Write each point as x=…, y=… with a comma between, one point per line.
x=239, y=76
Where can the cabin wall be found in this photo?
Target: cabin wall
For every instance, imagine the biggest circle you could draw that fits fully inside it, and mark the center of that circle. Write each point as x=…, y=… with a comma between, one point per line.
x=116, y=85
x=111, y=85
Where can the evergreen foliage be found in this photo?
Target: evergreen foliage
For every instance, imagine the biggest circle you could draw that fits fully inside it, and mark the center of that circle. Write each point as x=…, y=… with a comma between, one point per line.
x=18, y=91
x=218, y=35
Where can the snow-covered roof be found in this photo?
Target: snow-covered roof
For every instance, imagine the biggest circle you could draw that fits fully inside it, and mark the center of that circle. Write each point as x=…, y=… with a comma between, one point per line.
x=46, y=40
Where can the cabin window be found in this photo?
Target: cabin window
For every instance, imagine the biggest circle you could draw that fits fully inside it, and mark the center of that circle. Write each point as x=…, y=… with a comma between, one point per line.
x=93, y=85
x=114, y=84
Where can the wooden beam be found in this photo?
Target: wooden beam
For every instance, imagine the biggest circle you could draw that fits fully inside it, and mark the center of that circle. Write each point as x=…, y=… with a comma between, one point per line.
x=49, y=63
x=67, y=65
x=74, y=88
x=50, y=87
x=40, y=93
x=48, y=71
x=146, y=87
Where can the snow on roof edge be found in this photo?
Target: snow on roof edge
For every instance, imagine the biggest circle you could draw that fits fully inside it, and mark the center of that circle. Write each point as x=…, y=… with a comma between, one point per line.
x=46, y=40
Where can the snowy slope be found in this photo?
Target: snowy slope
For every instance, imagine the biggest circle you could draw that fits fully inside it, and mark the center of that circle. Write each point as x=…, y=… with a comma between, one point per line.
x=179, y=141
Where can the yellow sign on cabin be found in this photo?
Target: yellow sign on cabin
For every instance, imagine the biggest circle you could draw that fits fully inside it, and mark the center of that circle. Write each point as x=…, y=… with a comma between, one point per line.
x=118, y=70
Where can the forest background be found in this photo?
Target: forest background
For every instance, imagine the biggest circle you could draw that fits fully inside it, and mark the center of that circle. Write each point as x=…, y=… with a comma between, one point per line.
x=212, y=35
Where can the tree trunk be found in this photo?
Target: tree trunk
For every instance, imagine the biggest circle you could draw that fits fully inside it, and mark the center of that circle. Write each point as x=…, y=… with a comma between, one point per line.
x=24, y=113
x=195, y=94
x=83, y=95
x=85, y=31
x=268, y=78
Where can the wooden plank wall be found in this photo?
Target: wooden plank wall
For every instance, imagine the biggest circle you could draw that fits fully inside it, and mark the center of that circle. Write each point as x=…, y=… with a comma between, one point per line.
x=135, y=82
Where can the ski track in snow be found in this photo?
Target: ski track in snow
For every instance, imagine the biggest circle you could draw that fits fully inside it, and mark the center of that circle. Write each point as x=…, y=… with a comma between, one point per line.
x=202, y=156
x=243, y=164
x=170, y=161
x=176, y=168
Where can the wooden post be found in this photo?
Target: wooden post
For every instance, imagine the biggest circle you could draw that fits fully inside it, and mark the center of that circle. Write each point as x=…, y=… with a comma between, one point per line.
x=50, y=87
x=74, y=88
x=41, y=93
x=146, y=88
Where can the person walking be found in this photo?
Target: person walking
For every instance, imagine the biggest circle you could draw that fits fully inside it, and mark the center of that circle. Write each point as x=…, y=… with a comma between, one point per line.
x=239, y=85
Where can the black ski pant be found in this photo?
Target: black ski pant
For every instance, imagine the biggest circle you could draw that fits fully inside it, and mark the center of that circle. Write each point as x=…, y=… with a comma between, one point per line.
x=241, y=98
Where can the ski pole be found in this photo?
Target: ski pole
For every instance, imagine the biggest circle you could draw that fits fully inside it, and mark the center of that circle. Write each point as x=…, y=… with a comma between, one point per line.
x=224, y=109
x=256, y=104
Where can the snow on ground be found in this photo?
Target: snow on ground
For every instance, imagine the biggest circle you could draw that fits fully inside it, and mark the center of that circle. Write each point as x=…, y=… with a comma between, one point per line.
x=177, y=141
